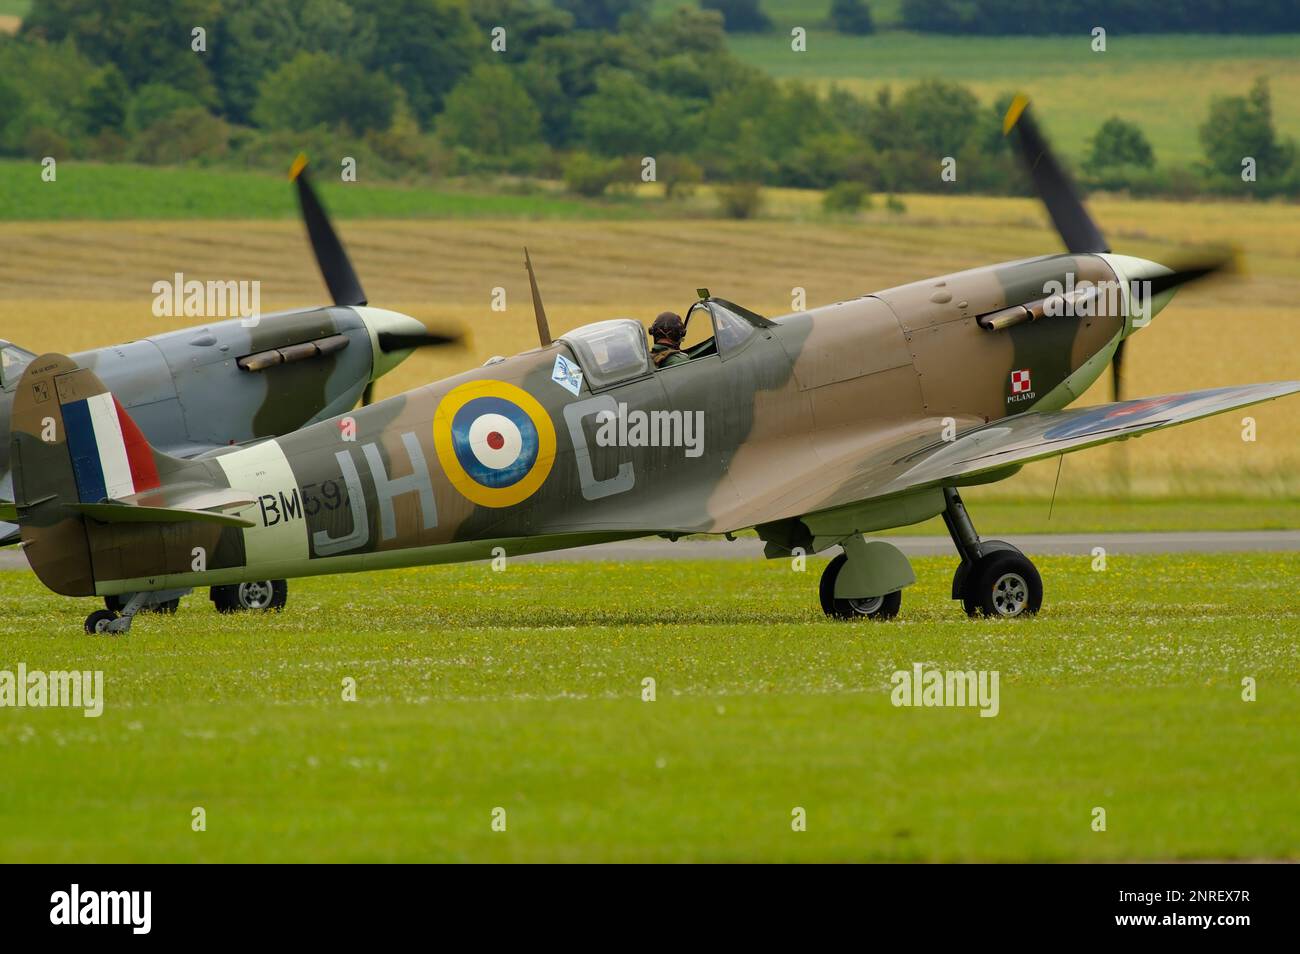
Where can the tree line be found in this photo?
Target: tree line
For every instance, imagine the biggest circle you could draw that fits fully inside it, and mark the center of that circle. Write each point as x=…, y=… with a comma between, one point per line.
x=583, y=90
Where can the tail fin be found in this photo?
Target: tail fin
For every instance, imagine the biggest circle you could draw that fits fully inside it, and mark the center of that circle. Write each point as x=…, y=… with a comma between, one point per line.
x=77, y=454
x=45, y=475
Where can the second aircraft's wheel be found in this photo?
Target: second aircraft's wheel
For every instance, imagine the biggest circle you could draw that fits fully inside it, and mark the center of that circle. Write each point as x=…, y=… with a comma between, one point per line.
x=871, y=607
x=253, y=595
x=97, y=622
x=1004, y=584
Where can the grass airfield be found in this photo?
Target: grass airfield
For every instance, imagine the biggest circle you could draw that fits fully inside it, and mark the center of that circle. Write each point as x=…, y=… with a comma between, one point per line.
x=521, y=689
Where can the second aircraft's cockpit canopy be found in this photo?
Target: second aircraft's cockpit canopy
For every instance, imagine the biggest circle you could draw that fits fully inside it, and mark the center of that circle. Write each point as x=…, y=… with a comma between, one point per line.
x=618, y=349
x=13, y=361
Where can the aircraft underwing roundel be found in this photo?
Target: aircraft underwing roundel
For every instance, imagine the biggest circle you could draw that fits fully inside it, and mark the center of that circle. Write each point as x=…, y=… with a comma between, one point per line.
x=495, y=442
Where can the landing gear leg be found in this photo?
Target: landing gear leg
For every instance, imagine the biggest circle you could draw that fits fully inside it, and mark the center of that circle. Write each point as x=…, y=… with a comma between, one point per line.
x=994, y=578
x=116, y=604
x=107, y=622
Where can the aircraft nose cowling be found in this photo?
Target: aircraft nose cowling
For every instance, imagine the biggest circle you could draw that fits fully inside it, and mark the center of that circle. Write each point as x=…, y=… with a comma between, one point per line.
x=1136, y=275
x=382, y=322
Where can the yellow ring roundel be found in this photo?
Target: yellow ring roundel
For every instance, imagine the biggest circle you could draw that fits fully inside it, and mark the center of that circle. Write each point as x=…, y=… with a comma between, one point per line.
x=495, y=442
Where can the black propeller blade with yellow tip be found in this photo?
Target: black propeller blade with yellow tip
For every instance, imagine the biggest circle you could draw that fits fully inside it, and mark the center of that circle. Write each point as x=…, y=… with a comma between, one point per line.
x=1072, y=221
x=335, y=266
x=341, y=278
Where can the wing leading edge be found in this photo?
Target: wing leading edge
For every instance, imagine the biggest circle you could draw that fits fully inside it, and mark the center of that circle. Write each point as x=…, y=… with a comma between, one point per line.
x=920, y=463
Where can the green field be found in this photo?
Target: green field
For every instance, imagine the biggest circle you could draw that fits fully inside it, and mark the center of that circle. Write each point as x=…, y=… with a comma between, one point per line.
x=1162, y=83
x=522, y=690
x=90, y=190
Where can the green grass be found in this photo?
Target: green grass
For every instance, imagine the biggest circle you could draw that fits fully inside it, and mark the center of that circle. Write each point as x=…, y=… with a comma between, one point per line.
x=119, y=191
x=14, y=8
x=522, y=689
x=1161, y=82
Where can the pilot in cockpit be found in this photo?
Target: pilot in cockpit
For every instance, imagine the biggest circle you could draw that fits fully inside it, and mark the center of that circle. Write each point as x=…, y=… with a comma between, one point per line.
x=666, y=335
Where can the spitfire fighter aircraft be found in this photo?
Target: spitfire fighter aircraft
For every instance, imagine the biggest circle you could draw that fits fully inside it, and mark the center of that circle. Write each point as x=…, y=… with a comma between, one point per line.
x=242, y=380
x=813, y=428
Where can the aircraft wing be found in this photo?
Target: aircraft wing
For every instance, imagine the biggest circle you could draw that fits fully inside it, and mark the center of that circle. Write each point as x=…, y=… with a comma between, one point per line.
x=920, y=462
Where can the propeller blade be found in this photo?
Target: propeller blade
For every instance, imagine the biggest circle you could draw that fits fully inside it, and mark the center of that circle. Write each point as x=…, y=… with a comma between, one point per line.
x=335, y=267
x=1148, y=280
x=390, y=341
x=1152, y=279
x=1072, y=221
x=1224, y=262
x=1116, y=372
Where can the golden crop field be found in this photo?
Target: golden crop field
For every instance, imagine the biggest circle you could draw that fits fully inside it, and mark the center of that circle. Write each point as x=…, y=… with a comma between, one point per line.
x=71, y=285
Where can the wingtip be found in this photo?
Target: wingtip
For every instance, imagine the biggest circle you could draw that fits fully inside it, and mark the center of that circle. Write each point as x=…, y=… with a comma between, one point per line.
x=299, y=164
x=1017, y=107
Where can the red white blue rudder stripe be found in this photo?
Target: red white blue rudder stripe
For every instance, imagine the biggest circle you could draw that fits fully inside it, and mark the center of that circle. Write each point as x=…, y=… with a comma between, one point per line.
x=110, y=457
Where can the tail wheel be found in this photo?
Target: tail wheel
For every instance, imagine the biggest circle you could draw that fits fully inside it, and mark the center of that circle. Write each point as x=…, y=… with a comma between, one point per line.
x=871, y=607
x=1004, y=584
x=253, y=595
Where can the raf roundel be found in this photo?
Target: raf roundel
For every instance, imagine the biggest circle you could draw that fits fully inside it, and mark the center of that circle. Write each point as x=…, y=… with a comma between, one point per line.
x=495, y=442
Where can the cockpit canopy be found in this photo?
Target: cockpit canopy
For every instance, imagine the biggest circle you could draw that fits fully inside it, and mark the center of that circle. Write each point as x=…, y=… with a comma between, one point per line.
x=618, y=349
x=13, y=362
x=610, y=351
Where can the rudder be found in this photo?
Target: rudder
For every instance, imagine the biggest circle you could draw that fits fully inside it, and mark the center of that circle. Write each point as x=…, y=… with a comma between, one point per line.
x=71, y=443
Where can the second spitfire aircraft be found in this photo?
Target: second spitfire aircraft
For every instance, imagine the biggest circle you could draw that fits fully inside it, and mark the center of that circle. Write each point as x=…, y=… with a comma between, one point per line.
x=818, y=427
x=233, y=382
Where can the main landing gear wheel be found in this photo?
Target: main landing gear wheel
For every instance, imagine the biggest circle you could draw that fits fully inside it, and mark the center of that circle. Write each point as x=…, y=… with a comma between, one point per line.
x=1003, y=584
x=254, y=595
x=994, y=578
x=871, y=607
x=97, y=622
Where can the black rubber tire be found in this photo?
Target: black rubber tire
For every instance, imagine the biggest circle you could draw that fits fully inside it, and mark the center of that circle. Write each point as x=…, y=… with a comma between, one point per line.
x=1007, y=586
x=96, y=619
x=246, y=597
x=880, y=607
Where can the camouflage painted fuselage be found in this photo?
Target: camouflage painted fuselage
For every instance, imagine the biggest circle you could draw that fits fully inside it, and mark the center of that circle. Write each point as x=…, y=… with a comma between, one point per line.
x=789, y=415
